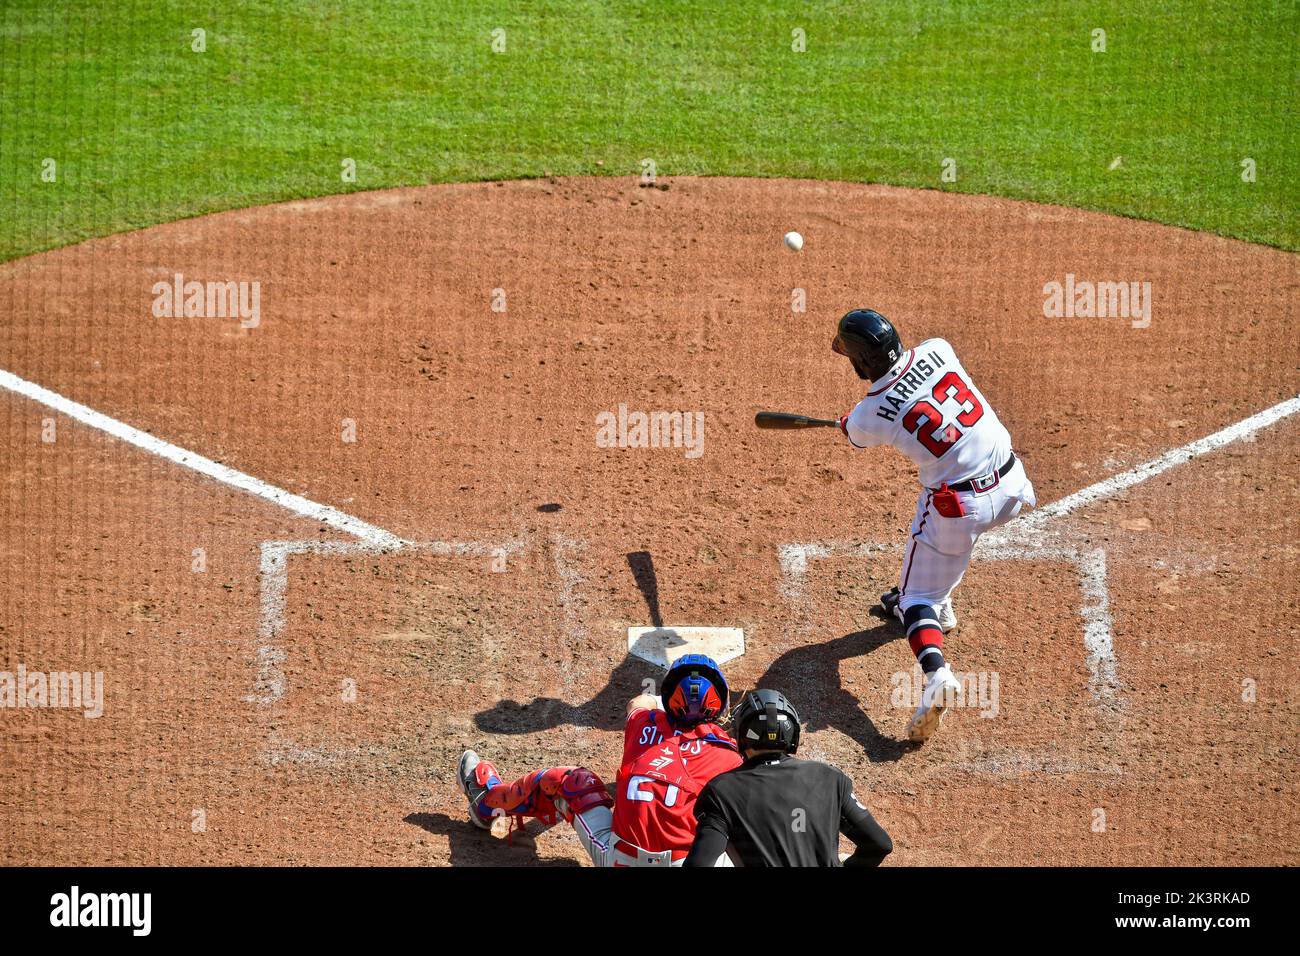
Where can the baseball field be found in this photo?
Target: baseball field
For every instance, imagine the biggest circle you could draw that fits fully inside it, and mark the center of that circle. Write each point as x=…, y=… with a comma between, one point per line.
x=316, y=316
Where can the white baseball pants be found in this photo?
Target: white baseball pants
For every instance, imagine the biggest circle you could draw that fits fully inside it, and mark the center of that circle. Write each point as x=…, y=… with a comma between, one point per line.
x=939, y=549
x=595, y=830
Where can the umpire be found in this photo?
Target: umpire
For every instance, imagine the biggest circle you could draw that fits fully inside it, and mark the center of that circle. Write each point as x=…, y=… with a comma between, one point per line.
x=778, y=810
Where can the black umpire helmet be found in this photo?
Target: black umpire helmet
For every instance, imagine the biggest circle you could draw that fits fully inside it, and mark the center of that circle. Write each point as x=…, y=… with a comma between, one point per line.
x=870, y=342
x=765, y=720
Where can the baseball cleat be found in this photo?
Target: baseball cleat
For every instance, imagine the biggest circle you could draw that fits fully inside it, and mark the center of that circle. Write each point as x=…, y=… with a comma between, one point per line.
x=940, y=693
x=889, y=604
x=947, y=617
x=476, y=777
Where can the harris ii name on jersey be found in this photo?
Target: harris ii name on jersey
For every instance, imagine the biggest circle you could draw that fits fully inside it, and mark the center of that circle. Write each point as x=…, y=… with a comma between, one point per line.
x=915, y=374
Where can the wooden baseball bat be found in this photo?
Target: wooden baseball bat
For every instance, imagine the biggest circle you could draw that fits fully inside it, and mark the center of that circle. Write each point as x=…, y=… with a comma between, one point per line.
x=788, y=420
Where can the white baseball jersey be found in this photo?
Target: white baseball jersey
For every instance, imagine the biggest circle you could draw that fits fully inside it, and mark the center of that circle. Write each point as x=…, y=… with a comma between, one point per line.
x=928, y=408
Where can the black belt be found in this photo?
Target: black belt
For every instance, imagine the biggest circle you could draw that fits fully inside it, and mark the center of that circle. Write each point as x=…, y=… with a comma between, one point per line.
x=969, y=484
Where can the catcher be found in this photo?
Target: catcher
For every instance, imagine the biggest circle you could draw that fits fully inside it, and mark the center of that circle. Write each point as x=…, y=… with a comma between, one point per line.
x=924, y=403
x=669, y=754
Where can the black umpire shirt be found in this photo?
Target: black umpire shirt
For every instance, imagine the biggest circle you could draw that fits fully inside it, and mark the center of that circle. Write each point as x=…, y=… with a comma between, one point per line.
x=782, y=811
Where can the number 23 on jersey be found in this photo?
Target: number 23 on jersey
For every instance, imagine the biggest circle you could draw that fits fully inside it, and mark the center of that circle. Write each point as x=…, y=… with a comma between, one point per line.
x=924, y=420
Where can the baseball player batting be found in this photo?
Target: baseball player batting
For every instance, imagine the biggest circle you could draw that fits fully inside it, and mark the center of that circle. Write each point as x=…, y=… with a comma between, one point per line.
x=924, y=403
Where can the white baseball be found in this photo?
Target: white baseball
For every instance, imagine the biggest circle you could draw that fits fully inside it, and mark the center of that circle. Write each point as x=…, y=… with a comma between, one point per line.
x=794, y=241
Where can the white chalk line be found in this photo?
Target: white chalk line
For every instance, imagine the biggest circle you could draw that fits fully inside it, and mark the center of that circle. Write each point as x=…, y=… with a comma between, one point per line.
x=1090, y=565
x=1015, y=541
x=296, y=504
x=566, y=554
x=273, y=567
x=270, y=685
x=273, y=582
x=1170, y=459
x=563, y=553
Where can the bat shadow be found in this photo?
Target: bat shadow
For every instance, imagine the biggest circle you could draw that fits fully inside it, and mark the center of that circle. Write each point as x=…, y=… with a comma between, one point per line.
x=642, y=564
x=607, y=709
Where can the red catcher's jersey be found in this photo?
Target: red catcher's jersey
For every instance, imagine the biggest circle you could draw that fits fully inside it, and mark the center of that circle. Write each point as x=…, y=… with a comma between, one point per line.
x=663, y=771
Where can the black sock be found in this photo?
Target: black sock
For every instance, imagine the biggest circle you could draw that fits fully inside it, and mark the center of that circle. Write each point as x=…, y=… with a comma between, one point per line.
x=923, y=634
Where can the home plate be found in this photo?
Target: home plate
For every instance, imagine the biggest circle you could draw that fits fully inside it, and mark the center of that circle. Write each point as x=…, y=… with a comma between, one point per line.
x=662, y=645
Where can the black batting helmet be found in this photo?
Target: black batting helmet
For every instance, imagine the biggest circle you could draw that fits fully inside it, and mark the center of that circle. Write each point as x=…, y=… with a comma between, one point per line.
x=765, y=720
x=870, y=342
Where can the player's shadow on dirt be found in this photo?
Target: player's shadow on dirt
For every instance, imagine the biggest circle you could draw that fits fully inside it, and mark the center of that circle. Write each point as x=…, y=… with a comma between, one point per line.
x=607, y=710
x=471, y=846
x=810, y=675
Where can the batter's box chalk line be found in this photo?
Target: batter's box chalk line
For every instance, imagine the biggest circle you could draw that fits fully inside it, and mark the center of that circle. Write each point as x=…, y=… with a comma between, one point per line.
x=1090, y=565
x=1040, y=535
x=273, y=585
x=1036, y=535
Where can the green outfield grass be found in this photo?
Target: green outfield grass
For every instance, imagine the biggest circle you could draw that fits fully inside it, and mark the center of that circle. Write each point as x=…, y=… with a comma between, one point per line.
x=144, y=130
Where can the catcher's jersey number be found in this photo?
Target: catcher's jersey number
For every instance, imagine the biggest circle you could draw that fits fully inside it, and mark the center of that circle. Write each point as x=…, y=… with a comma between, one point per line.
x=637, y=790
x=924, y=420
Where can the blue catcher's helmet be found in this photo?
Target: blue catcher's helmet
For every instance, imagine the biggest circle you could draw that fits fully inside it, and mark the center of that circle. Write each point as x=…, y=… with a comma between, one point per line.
x=694, y=690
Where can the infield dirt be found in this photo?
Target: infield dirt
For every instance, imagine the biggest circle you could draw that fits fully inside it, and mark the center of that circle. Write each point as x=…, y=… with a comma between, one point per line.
x=468, y=337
